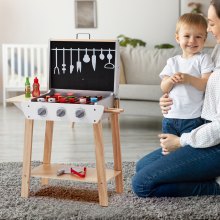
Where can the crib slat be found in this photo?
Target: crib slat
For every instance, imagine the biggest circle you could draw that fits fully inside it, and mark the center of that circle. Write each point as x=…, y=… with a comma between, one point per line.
x=5, y=61
x=12, y=59
x=45, y=66
x=25, y=61
x=38, y=61
x=19, y=64
x=32, y=59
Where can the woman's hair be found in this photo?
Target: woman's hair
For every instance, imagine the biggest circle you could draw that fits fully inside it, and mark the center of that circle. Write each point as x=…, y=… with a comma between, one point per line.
x=216, y=5
x=192, y=19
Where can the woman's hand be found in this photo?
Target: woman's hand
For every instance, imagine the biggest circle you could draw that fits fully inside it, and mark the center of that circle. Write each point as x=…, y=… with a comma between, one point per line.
x=169, y=143
x=165, y=151
x=165, y=103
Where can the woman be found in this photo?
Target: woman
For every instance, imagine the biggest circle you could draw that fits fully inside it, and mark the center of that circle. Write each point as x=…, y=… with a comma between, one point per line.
x=190, y=164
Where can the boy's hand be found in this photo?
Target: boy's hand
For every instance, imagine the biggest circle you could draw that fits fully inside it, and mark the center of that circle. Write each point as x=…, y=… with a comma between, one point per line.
x=176, y=78
x=185, y=78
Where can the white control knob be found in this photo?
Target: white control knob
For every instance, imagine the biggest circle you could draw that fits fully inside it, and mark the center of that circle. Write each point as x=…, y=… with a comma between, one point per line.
x=80, y=113
x=42, y=111
x=61, y=112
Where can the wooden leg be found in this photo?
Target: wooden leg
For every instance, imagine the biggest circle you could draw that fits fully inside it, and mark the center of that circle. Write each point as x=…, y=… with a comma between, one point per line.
x=117, y=151
x=100, y=164
x=73, y=123
x=26, y=170
x=116, y=103
x=47, y=147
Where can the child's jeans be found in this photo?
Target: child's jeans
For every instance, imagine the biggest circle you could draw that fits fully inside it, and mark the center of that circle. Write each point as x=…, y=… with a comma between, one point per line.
x=179, y=126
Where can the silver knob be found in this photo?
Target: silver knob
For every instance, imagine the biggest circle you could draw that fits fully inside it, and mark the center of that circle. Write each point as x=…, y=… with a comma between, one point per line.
x=42, y=111
x=61, y=112
x=80, y=113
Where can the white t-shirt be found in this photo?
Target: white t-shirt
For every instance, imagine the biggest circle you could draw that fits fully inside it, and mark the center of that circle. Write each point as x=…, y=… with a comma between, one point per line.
x=187, y=100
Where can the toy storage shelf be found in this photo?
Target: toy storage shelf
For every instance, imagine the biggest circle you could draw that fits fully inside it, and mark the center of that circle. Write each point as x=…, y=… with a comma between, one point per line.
x=49, y=171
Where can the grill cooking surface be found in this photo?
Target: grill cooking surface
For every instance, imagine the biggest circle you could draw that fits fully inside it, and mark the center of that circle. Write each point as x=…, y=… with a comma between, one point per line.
x=72, y=106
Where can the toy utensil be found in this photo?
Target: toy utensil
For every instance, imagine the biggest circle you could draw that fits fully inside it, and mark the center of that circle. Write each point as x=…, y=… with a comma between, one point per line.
x=56, y=69
x=60, y=172
x=64, y=65
x=101, y=56
x=94, y=59
x=109, y=65
x=78, y=171
x=86, y=58
x=71, y=57
x=78, y=63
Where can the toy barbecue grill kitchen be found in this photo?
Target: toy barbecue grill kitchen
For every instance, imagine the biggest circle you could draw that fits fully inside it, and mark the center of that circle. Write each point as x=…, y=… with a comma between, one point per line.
x=83, y=82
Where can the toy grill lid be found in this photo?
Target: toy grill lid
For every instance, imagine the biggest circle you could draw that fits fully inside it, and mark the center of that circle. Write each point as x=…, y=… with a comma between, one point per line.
x=84, y=65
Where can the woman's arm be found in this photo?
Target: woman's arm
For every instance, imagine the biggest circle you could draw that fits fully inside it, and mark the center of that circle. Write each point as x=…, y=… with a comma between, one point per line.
x=207, y=135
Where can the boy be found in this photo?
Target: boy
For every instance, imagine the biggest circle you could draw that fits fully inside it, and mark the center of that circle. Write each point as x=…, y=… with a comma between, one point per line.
x=185, y=76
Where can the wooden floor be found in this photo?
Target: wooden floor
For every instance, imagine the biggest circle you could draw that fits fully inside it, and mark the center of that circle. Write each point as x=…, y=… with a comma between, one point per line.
x=138, y=137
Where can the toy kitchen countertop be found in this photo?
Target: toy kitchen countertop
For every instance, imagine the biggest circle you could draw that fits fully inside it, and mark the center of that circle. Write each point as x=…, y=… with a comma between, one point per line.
x=83, y=82
x=75, y=108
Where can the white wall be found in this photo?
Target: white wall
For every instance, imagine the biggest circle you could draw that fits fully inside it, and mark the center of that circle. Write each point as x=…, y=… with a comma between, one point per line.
x=35, y=21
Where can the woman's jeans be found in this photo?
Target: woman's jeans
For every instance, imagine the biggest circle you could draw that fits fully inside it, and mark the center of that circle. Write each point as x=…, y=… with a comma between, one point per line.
x=187, y=171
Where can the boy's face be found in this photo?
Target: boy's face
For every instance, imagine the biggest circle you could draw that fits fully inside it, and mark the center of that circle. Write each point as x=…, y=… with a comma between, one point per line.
x=191, y=39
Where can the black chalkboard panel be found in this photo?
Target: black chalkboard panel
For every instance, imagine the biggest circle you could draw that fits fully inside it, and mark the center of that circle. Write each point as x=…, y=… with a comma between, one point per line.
x=82, y=65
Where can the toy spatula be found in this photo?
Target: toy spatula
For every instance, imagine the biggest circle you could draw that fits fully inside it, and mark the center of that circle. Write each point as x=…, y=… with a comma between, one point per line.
x=78, y=63
x=94, y=59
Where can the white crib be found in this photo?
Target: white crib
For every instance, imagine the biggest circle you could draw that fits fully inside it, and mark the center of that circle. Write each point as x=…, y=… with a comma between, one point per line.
x=20, y=61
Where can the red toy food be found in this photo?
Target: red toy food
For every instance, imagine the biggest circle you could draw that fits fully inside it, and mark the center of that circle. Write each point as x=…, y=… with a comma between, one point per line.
x=36, y=88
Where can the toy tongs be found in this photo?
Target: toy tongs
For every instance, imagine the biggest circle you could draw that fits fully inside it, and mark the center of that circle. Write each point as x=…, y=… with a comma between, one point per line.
x=78, y=171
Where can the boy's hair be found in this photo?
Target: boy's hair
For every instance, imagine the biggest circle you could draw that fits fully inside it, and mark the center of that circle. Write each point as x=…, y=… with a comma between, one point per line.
x=192, y=19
